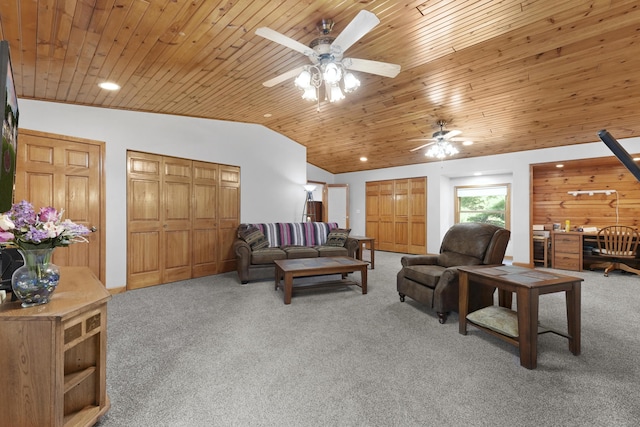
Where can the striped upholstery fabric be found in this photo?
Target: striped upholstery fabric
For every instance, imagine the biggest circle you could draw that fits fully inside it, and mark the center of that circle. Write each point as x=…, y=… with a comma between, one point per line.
x=296, y=233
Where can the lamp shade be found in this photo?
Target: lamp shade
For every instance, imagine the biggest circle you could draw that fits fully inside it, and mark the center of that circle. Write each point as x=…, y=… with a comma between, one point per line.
x=303, y=80
x=351, y=83
x=332, y=73
x=335, y=94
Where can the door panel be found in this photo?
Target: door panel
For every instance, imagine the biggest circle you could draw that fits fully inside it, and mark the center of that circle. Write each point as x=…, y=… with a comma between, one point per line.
x=176, y=223
x=229, y=216
x=205, y=223
x=145, y=243
x=418, y=216
x=385, y=222
x=401, y=215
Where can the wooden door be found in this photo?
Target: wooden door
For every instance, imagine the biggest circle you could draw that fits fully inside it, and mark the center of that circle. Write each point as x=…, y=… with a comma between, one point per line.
x=182, y=218
x=159, y=219
x=401, y=215
x=205, y=219
x=228, y=216
x=145, y=245
x=338, y=204
x=385, y=219
x=372, y=210
x=176, y=218
x=417, y=243
x=397, y=214
x=66, y=173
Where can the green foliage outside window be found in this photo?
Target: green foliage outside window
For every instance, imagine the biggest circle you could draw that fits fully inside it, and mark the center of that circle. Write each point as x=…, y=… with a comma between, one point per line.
x=485, y=209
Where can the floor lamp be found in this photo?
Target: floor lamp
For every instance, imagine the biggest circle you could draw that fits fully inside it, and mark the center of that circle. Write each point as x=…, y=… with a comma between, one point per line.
x=305, y=211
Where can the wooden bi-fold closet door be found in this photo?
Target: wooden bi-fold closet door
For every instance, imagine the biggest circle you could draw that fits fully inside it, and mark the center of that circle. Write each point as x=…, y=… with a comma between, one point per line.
x=66, y=173
x=179, y=216
x=396, y=214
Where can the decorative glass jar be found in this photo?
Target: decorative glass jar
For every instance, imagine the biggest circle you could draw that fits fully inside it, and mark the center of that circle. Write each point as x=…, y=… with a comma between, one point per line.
x=35, y=281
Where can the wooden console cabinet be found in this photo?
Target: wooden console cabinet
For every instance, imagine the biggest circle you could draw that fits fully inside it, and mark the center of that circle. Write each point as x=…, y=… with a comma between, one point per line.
x=53, y=358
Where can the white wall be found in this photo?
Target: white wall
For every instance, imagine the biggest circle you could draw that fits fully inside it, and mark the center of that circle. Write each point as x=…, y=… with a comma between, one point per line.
x=443, y=176
x=273, y=167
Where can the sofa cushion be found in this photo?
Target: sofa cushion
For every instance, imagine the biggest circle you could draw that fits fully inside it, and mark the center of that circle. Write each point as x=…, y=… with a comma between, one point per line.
x=452, y=259
x=253, y=236
x=332, y=251
x=338, y=237
x=294, y=252
x=267, y=255
x=427, y=275
x=296, y=233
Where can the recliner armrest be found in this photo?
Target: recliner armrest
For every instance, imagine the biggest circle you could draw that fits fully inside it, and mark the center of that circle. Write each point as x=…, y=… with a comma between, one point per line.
x=419, y=260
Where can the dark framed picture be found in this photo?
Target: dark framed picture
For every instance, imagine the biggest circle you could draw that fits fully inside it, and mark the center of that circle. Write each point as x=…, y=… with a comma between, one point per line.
x=9, y=128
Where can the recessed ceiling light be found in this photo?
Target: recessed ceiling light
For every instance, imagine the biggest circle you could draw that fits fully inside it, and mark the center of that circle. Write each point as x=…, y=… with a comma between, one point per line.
x=363, y=159
x=560, y=165
x=467, y=143
x=636, y=159
x=267, y=115
x=109, y=86
x=477, y=173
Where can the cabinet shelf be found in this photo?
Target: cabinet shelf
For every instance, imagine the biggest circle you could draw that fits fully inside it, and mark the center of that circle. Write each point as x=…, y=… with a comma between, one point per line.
x=84, y=417
x=72, y=380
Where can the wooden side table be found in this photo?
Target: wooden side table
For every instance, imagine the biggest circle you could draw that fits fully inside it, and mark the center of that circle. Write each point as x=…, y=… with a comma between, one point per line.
x=365, y=242
x=528, y=285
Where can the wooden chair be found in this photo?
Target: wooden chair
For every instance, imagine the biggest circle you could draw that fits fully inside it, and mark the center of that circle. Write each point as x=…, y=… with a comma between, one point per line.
x=618, y=243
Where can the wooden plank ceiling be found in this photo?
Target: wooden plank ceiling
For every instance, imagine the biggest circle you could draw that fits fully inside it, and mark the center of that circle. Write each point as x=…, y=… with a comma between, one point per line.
x=512, y=75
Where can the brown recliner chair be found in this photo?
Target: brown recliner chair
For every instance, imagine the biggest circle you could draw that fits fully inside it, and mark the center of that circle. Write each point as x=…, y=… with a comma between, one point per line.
x=433, y=279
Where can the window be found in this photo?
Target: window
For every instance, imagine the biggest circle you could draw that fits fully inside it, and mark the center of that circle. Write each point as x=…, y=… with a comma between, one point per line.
x=488, y=204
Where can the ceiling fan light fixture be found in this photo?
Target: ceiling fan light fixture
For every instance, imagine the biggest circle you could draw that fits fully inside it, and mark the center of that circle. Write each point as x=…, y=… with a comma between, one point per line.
x=351, y=83
x=335, y=94
x=310, y=94
x=332, y=73
x=441, y=150
x=303, y=81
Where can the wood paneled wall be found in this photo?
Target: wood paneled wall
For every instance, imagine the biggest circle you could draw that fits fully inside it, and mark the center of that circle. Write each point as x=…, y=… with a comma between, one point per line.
x=551, y=202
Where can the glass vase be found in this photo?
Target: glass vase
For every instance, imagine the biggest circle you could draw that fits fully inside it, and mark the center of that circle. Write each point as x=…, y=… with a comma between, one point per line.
x=34, y=282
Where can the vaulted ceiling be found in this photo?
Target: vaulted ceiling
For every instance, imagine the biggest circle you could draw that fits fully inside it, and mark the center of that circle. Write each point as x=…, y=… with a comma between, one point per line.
x=511, y=75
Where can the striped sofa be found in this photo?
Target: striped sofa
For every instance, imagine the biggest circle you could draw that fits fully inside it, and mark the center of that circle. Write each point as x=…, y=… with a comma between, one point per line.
x=286, y=240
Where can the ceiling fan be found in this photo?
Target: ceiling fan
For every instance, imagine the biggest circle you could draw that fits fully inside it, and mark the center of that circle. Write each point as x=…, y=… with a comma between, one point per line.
x=328, y=66
x=441, y=139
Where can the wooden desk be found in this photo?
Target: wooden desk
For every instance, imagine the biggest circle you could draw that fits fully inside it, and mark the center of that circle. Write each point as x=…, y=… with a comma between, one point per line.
x=528, y=285
x=573, y=250
x=363, y=242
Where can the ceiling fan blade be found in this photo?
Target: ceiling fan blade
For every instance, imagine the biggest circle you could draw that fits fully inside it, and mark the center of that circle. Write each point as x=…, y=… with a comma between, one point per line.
x=422, y=146
x=373, y=67
x=355, y=30
x=452, y=133
x=282, y=77
x=275, y=36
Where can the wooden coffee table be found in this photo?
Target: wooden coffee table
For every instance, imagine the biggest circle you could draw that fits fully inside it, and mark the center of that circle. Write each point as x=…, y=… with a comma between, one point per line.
x=288, y=269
